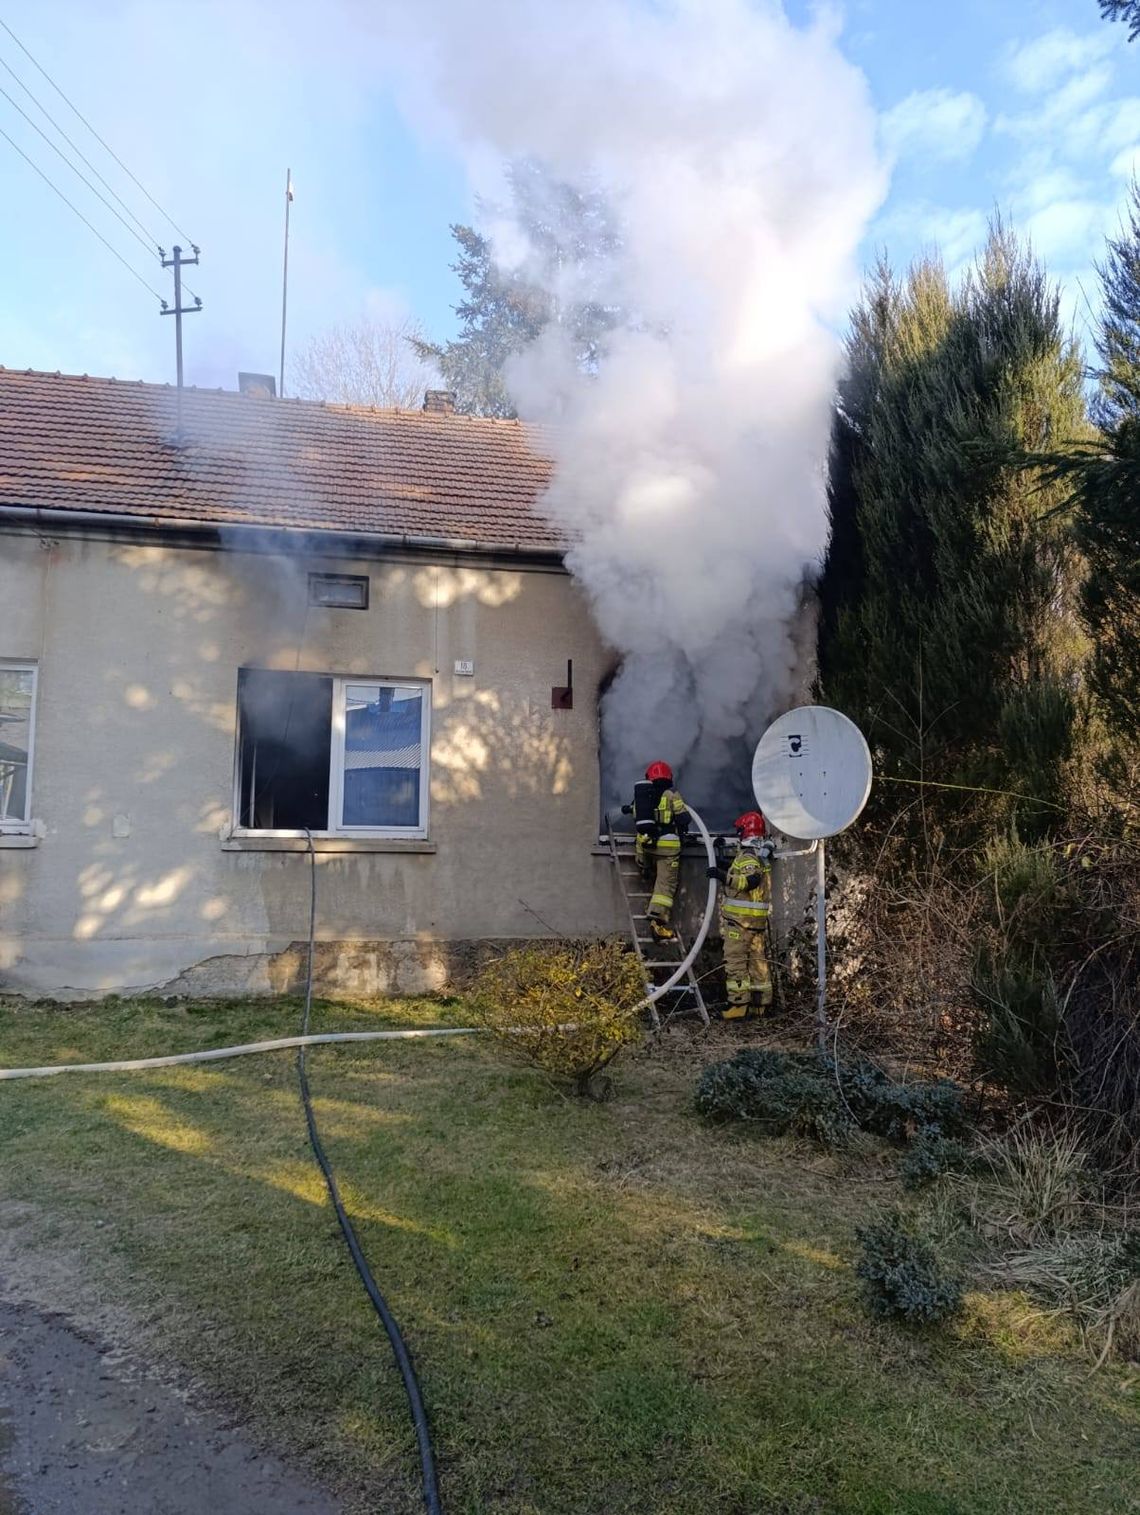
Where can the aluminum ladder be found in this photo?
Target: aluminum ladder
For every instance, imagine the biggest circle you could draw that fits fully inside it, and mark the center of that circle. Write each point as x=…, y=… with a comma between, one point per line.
x=663, y=958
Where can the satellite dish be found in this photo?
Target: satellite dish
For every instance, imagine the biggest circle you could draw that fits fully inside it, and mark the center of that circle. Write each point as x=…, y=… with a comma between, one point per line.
x=811, y=773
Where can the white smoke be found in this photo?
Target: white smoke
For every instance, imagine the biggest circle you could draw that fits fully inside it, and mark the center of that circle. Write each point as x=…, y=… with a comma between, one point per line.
x=738, y=154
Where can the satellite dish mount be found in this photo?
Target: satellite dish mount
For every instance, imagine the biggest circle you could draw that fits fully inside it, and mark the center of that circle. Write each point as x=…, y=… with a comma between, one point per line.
x=811, y=776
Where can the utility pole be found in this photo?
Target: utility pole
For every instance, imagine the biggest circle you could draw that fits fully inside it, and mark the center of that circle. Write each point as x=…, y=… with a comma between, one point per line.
x=285, y=280
x=178, y=262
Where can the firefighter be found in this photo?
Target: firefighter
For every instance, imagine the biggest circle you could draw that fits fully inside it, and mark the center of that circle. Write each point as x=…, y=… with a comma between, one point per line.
x=661, y=821
x=745, y=904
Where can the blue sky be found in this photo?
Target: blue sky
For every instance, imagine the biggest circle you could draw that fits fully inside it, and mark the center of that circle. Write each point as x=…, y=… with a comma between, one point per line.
x=1029, y=106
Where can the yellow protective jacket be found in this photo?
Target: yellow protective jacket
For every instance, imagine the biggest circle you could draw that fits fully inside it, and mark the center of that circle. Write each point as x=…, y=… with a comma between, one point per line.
x=670, y=821
x=746, y=896
x=667, y=810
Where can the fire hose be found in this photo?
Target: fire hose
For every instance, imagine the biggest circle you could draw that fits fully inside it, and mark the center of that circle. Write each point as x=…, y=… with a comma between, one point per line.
x=283, y=1043
x=301, y=1043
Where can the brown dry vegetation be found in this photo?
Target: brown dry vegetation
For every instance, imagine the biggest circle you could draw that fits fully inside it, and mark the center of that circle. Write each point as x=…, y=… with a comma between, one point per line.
x=612, y=1307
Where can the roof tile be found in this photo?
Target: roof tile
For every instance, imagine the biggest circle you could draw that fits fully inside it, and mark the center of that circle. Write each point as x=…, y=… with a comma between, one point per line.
x=101, y=445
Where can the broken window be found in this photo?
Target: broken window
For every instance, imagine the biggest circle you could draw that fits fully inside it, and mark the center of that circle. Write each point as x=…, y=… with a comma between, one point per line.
x=17, y=723
x=331, y=754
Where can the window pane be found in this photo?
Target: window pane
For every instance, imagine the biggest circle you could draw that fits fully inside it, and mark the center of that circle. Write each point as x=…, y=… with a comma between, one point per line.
x=16, y=685
x=382, y=755
x=285, y=726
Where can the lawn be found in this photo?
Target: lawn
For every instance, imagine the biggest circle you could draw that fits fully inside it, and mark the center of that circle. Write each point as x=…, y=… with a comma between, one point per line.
x=612, y=1308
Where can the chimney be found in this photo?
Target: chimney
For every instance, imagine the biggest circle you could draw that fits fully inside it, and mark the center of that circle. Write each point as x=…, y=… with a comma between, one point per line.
x=260, y=386
x=440, y=401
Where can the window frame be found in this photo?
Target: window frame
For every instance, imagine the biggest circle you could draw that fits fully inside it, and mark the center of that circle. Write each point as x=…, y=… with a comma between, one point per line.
x=331, y=829
x=24, y=665
x=360, y=580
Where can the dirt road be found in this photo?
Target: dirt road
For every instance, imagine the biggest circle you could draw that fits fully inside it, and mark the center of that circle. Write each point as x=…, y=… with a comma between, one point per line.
x=84, y=1428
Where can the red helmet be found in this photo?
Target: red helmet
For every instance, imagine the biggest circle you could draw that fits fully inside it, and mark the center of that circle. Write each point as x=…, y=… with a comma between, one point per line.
x=750, y=824
x=659, y=771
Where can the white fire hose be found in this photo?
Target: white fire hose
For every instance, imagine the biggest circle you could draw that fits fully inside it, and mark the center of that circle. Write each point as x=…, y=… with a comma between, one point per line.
x=699, y=940
x=280, y=1044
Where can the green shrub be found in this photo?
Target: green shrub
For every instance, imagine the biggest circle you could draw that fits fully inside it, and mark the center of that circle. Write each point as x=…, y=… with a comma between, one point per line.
x=1026, y=885
x=931, y=1155
x=569, y=1008
x=902, y=1277
x=778, y=1091
x=901, y=1111
x=802, y=1093
x=1020, y=1039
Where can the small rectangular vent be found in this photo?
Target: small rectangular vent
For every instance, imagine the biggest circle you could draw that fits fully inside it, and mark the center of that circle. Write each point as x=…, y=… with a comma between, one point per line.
x=340, y=591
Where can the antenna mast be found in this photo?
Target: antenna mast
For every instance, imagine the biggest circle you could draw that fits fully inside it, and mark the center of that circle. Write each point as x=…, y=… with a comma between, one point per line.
x=285, y=279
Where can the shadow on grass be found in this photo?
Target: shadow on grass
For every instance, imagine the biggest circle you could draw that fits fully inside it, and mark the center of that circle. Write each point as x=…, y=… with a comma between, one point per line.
x=593, y=1334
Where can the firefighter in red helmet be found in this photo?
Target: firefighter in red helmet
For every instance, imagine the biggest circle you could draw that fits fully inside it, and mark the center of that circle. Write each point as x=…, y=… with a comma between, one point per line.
x=745, y=904
x=661, y=821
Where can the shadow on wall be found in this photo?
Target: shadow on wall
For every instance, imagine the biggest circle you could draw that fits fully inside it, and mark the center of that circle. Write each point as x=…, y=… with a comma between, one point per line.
x=154, y=699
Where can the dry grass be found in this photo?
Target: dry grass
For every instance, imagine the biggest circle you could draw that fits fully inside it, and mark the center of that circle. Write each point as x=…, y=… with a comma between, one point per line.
x=613, y=1309
x=1037, y=1183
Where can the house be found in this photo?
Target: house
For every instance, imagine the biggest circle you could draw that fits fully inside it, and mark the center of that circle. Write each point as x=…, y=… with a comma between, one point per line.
x=229, y=622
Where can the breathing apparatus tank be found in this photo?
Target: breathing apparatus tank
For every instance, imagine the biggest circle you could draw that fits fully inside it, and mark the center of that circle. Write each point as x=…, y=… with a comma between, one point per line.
x=645, y=808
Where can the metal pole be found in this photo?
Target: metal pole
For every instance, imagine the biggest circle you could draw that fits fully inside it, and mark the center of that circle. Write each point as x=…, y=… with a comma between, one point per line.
x=821, y=945
x=178, y=312
x=285, y=280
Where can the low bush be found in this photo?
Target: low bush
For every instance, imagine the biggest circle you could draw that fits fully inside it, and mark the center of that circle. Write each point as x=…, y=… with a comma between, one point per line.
x=900, y=1111
x=930, y=1156
x=803, y=1093
x=902, y=1276
x=1020, y=1036
x=569, y=1008
x=778, y=1091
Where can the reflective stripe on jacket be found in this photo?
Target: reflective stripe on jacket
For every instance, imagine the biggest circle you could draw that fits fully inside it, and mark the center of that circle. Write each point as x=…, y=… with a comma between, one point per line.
x=747, y=906
x=669, y=806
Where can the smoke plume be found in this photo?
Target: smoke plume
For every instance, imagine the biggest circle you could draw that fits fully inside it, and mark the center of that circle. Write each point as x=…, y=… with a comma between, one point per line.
x=737, y=155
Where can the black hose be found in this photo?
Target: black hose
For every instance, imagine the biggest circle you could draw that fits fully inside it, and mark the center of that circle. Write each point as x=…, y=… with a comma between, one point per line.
x=380, y=1304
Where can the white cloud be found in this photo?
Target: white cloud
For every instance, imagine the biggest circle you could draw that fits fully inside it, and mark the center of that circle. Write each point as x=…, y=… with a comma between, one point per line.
x=1126, y=165
x=1039, y=65
x=1074, y=116
x=935, y=123
x=1045, y=188
x=1121, y=126
x=956, y=235
x=1065, y=232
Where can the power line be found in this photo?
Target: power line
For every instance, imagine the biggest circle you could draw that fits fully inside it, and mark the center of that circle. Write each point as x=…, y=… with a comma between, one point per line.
x=112, y=250
x=143, y=243
x=40, y=106
x=105, y=145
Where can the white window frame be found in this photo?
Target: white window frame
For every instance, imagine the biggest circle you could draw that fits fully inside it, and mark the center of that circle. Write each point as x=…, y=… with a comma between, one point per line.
x=22, y=665
x=340, y=683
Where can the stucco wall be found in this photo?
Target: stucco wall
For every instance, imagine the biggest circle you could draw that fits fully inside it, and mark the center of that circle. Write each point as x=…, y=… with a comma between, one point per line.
x=132, y=884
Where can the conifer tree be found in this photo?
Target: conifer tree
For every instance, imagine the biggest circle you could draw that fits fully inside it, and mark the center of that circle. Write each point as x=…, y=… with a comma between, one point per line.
x=569, y=235
x=949, y=626
x=1127, y=11
x=1107, y=481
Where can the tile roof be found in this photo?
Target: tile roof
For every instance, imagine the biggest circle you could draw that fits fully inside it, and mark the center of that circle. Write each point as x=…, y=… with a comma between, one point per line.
x=108, y=446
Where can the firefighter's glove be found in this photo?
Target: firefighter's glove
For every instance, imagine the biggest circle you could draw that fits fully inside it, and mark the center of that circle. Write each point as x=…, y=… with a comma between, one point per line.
x=627, y=810
x=766, y=851
x=712, y=873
